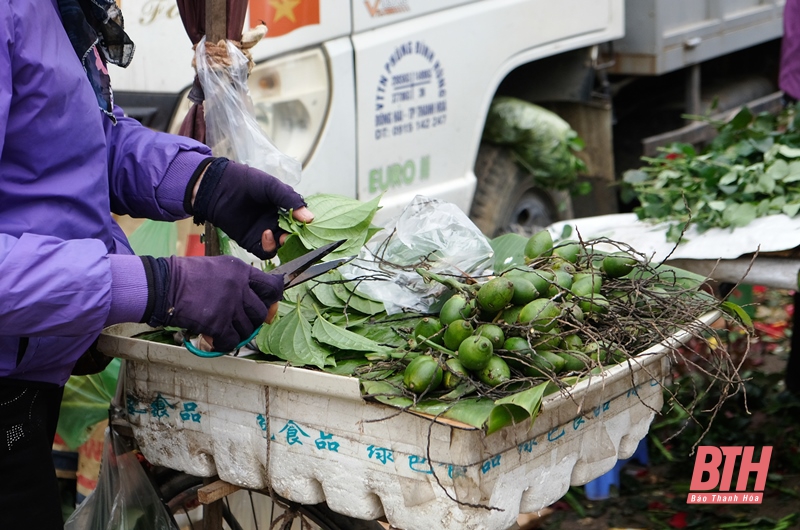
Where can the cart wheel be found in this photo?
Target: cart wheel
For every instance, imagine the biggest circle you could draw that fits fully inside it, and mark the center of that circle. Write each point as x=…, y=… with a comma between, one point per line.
x=248, y=510
x=508, y=201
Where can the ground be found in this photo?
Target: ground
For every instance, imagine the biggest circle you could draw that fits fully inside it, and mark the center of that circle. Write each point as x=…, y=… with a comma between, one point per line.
x=654, y=496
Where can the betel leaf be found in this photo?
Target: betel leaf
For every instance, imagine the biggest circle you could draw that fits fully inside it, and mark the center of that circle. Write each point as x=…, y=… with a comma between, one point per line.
x=386, y=332
x=338, y=228
x=529, y=400
x=323, y=292
x=738, y=313
x=340, y=338
x=508, y=251
x=386, y=392
x=347, y=367
x=337, y=211
x=292, y=341
x=356, y=302
x=503, y=416
x=472, y=411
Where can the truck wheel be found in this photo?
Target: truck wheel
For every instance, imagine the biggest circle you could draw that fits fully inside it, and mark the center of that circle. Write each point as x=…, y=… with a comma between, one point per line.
x=508, y=201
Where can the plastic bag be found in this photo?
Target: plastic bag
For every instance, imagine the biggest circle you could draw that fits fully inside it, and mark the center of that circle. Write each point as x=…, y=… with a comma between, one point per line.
x=428, y=231
x=155, y=238
x=544, y=143
x=124, y=498
x=232, y=130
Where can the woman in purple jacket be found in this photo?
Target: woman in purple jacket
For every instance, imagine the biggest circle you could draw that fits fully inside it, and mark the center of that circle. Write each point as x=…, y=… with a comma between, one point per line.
x=68, y=158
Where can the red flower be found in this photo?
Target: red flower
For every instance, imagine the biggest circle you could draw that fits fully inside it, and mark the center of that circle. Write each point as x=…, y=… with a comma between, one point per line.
x=656, y=505
x=759, y=289
x=673, y=156
x=678, y=520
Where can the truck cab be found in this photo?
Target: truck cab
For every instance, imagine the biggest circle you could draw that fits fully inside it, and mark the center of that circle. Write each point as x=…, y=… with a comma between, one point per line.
x=390, y=97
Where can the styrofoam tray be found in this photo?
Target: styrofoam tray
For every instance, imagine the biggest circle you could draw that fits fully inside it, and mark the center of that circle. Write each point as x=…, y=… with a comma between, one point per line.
x=312, y=438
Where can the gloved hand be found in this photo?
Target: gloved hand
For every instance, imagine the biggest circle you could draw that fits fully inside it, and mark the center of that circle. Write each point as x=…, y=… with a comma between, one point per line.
x=244, y=202
x=221, y=297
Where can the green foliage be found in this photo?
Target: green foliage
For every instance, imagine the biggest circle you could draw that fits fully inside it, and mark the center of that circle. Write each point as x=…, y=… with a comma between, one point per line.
x=336, y=218
x=750, y=170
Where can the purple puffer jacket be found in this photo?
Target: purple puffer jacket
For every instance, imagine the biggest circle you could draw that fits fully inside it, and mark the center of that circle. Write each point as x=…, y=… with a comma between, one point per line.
x=63, y=168
x=789, y=75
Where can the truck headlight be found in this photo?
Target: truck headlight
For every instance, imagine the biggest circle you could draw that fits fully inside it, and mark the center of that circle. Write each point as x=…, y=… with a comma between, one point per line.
x=290, y=97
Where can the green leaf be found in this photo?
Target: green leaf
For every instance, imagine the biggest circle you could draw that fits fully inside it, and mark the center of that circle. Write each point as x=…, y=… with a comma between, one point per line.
x=729, y=178
x=323, y=292
x=341, y=213
x=740, y=214
x=791, y=209
x=508, y=251
x=741, y=120
x=738, y=313
x=340, y=338
x=778, y=170
x=346, y=367
x=472, y=411
x=356, y=302
x=386, y=332
x=464, y=388
x=789, y=152
x=291, y=340
x=529, y=400
x=635, y=176
x=503, y=416
x=385, y=392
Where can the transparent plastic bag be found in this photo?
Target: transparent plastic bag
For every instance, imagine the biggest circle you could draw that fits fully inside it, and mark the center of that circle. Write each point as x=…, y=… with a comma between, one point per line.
x=429, y=231
x=124, y=498
x=232, y=130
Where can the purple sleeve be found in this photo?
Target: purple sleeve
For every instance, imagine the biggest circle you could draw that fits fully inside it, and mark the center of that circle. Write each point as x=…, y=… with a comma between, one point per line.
x=67, y=288
x=789, y=75
x=149, y=170
x=53, y=287
x=5, y=66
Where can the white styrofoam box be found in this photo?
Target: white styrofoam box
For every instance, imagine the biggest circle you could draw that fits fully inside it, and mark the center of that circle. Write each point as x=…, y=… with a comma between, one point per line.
x=312, y=438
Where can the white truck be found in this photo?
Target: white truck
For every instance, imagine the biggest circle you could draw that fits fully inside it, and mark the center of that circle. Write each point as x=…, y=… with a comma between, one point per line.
x=391, y=96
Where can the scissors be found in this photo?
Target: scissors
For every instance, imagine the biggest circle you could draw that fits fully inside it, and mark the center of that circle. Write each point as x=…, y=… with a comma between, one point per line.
x=294, y=273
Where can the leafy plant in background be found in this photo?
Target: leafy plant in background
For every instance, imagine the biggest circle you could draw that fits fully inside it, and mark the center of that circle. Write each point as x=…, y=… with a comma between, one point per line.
x=751, y=169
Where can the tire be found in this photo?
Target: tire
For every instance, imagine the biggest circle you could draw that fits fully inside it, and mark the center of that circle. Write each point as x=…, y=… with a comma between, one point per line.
x=246, y=510
x=508, y=201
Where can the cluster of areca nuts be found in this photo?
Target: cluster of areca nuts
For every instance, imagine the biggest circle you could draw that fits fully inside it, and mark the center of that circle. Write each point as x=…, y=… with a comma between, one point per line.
x=528, y=318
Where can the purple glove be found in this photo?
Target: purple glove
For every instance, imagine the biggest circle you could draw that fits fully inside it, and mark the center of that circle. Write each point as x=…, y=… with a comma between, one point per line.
x=242, y=201
x=220, y=296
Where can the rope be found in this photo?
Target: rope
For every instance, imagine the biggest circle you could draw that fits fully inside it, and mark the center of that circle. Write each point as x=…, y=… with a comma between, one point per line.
x=218, y=51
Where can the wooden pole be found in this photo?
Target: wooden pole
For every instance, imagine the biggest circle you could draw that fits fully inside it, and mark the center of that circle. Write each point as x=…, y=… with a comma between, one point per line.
x=216, y=30
x=216, y=20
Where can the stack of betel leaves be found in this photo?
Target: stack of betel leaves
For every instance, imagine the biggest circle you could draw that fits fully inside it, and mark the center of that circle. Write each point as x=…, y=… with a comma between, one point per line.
x=491, y=348
x=751, y=169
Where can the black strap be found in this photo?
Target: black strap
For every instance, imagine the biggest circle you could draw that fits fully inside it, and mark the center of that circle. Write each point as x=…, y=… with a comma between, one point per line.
x=207, y=187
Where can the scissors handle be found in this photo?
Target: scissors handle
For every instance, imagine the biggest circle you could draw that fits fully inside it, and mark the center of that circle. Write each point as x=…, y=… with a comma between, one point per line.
x=211, y=354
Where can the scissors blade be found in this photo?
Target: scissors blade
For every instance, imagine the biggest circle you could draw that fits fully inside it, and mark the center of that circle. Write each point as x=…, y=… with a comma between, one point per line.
x=316, y=270
x=291, y=269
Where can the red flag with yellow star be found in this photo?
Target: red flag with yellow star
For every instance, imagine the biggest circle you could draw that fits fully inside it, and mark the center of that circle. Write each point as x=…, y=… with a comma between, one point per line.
x=283, y=16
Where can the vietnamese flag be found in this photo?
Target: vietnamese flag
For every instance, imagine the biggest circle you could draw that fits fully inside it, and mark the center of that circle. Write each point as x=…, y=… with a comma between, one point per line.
x=283, y=16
